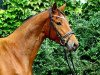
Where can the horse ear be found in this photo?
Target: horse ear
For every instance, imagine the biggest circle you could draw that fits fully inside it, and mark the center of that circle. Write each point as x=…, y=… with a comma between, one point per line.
x=54, y=7
x=62, y=8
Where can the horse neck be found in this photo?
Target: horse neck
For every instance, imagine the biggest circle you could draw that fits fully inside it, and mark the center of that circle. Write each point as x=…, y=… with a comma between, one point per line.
x=29, y=36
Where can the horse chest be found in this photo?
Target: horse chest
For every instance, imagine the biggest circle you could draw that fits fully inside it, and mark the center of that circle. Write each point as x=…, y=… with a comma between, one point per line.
x=10, y=69
x=10, y=66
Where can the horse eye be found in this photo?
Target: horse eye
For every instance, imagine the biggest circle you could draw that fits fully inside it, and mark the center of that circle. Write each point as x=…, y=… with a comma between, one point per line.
x=58, y=23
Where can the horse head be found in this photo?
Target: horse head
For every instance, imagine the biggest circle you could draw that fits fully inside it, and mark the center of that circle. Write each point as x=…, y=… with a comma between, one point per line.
x=59, y=29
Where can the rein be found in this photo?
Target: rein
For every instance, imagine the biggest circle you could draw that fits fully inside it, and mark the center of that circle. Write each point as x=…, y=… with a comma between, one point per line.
x=63, y=43
x=69, y=61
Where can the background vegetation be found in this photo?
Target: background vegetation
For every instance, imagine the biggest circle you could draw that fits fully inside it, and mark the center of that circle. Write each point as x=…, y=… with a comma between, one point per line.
x=85, y=20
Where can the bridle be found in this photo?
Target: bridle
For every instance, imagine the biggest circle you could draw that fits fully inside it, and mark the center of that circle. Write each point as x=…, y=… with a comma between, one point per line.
x=62, y=38
x=63, y=42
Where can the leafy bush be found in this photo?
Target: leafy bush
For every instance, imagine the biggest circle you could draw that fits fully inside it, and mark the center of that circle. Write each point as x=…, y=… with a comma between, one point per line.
x=85, y=20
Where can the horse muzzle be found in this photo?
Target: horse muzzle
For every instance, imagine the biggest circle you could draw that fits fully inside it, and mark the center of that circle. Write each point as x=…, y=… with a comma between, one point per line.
x=72, y=46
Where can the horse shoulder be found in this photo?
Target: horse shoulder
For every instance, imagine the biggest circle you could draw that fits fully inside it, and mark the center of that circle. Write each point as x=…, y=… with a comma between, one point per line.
x=3, y=45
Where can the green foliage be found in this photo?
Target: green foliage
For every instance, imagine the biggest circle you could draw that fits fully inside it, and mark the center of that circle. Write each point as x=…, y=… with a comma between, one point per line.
x=17, y=11
x=85, y=20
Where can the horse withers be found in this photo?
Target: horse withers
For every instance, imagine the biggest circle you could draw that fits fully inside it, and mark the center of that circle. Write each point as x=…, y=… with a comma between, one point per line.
x=18, y=50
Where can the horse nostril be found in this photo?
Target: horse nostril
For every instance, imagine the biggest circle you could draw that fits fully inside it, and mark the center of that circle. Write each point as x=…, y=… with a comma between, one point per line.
x=75, y=46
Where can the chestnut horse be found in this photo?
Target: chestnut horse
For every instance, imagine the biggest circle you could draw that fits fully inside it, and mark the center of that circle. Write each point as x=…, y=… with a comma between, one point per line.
x=18, y=50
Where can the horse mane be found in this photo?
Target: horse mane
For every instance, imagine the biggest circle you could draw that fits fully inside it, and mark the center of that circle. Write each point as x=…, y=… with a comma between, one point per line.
x=29, y=17
x=41, y=12
x=32, y=16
